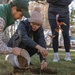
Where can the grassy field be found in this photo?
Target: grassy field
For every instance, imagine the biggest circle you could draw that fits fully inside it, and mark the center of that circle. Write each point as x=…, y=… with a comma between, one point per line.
x=63, y=67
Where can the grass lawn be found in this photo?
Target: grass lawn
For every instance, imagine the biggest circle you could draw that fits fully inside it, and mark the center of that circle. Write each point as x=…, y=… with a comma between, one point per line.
x=63, y=67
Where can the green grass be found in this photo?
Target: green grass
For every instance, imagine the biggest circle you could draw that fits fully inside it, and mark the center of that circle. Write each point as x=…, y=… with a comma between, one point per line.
x=63, y=67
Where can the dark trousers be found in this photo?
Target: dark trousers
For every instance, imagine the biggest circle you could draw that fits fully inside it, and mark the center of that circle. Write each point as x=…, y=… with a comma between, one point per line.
x=65, y=34
x=30, y=50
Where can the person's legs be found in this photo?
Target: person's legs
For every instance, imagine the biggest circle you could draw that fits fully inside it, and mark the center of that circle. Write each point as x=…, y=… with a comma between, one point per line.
x=66, y=38
x=55, y=39
x=30, y=50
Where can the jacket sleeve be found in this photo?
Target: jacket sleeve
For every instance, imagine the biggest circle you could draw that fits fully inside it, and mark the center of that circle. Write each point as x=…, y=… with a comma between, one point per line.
x=40, y=40
x=25, y=38
x=52, y=1
x=3, y=48
x=39, y=37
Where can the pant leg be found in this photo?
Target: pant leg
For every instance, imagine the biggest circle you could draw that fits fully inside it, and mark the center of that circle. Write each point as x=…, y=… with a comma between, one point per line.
x=55, y=39
x=66, y=35
x=30, y=50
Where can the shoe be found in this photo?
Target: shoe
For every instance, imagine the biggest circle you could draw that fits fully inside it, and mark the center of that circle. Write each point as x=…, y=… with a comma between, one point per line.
x=56, y=58
x=31, y=63
x=68, y=58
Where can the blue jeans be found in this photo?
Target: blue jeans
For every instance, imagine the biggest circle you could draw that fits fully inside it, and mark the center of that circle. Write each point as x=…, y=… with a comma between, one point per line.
x=65, y=34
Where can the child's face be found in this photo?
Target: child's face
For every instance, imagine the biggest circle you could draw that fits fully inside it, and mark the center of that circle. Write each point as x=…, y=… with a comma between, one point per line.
x=35, y=26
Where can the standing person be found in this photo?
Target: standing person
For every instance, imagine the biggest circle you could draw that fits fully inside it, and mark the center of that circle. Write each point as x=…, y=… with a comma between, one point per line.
x=59, y=7
x=29, y=35
x=8, y=14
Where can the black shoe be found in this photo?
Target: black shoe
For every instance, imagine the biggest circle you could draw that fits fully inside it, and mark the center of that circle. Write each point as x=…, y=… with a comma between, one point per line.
x=31, y=63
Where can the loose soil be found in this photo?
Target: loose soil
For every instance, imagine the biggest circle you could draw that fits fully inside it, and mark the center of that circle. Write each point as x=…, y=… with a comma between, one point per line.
x=22, y=61
x=35, y=71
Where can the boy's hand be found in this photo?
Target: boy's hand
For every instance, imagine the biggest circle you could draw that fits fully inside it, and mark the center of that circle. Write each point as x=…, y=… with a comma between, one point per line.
x=43, y=65
x=42, y=50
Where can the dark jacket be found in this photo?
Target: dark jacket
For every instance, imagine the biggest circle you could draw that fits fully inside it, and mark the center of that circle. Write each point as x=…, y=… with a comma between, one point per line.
x=58, y=7
x=26, y=36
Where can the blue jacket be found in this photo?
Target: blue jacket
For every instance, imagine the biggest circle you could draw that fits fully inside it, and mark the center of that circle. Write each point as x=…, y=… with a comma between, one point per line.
x=28, y=34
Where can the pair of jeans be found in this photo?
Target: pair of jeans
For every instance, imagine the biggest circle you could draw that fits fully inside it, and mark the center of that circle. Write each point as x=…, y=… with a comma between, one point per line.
x=65, y=34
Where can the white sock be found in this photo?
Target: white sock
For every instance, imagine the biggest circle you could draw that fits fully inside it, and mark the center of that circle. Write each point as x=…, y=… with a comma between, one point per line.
x=67, y=53
x=56, y=53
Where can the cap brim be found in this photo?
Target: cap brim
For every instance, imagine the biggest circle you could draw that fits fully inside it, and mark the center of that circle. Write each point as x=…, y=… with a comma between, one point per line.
x=25, y=14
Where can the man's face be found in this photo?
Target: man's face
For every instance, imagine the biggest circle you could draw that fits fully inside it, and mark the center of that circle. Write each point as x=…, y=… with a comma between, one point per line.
x=35, y=26
x=17, y=14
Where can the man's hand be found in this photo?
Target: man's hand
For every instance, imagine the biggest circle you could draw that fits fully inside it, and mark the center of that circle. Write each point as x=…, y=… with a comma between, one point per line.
x=43, y=65
x=16, y=51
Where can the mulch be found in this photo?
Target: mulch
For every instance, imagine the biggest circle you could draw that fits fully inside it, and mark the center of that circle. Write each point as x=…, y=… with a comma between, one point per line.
x=35, y=71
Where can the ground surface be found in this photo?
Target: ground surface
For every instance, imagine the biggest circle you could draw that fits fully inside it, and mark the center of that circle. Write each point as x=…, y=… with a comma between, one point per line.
x=62, y=67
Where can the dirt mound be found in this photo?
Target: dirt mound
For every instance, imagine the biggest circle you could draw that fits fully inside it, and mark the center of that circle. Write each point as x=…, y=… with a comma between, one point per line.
x=35, y=71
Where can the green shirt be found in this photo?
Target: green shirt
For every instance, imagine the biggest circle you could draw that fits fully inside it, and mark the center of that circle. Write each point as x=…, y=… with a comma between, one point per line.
x=6, y=14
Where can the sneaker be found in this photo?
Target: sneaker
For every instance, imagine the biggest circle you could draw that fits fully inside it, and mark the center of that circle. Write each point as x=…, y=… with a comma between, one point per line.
x=68, y=58
x=31, y=63
x=56, y=58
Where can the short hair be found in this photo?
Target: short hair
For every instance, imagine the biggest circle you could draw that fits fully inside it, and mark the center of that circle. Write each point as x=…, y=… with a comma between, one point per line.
x=12, y=5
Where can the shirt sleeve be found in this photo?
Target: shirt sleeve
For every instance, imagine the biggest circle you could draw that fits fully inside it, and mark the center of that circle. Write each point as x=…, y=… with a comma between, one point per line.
x=3, y=47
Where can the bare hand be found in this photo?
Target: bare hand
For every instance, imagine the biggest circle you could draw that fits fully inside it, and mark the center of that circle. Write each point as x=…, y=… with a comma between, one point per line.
x=44, y=52
x=43, y=65
x=16, y=51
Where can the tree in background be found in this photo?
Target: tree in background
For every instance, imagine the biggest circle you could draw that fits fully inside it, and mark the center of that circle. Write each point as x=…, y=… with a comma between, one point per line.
x=72, y=16
x=72, y=21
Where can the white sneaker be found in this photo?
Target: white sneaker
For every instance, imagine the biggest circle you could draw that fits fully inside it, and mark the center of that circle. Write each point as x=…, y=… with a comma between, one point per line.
x=56, y=58
x=68, y=58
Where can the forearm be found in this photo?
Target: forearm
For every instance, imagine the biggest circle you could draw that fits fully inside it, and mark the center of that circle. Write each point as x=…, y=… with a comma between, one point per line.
x=41, y=57
x=3, y=48
x=38, y=47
